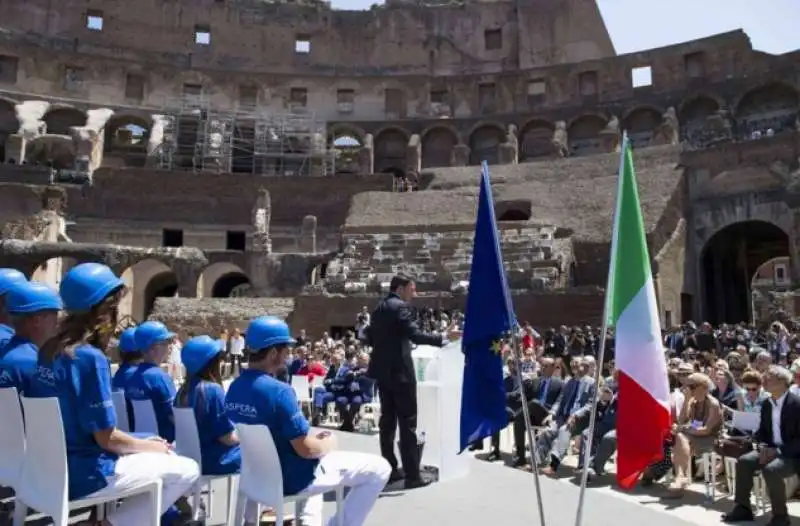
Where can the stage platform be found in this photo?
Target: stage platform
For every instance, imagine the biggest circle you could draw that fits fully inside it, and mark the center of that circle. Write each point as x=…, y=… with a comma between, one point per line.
x=498, y=495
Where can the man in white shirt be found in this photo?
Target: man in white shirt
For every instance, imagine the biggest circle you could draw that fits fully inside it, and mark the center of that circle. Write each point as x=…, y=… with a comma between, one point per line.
x=237, y=351
x=777, y=454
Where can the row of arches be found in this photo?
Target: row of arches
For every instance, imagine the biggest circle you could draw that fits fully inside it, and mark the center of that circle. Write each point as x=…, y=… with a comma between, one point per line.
x=151, y=279
x=773, y=106
x=770, y=107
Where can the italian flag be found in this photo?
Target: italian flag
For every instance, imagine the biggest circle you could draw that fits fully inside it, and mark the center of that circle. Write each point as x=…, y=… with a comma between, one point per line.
x=643, y=417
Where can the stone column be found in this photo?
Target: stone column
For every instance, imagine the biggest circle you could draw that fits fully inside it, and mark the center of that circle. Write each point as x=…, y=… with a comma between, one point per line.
x=29, y=116
x=162, y=138
x=308, y=235
x=460, y=155
x=366, y=156
x=414, y=154
x=318, y=151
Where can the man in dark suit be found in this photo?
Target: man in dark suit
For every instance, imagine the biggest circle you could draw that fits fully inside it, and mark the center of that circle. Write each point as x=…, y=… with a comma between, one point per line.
x=391, y=333
x=604, y=440
x=777, y=455
x=577, y=393
x=541, y=394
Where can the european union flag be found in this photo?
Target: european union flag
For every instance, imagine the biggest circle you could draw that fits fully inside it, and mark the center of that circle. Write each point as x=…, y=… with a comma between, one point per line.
x=488, y=318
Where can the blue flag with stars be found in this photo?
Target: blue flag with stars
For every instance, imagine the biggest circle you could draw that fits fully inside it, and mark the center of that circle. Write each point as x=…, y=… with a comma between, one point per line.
x=488, y=319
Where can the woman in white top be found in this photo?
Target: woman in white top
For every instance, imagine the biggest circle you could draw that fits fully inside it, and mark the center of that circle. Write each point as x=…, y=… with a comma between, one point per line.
x=237, y=351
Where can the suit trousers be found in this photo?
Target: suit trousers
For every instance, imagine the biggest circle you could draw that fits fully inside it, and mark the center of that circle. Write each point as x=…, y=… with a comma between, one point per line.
x=775, y=474
x=603, y=446
x=399, y=409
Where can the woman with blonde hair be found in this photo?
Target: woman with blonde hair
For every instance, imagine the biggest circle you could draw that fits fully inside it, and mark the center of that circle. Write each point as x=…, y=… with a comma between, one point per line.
x=695, y=430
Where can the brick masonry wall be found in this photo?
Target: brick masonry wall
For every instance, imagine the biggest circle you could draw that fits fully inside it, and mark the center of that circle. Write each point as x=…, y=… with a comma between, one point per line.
x=318, y=313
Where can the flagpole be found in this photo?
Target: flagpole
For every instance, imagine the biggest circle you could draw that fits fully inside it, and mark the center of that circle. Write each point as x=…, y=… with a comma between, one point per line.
x=587, y=444
x=515, y=347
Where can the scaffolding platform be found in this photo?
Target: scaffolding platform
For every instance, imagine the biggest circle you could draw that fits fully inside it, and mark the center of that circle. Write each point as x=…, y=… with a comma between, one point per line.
x=254, y=140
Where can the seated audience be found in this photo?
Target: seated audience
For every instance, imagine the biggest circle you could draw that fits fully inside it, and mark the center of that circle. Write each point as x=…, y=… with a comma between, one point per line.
x=324, y=394
x=33, y=310
x=753, y=393
x=577, y=393
x=308, y=461
x=148, y=381
x=101, y=459
x=777, y=453
x=695, y=431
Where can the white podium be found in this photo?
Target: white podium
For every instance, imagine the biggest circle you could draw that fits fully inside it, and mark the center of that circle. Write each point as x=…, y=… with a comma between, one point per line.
x=439, y=381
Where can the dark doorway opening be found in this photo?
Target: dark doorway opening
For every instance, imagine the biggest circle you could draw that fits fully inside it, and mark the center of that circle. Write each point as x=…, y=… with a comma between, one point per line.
x=730, y=259
x=164, y=285
x=224, y=286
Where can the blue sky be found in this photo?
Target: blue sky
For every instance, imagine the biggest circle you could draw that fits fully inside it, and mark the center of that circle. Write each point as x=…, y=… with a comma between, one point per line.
x=643, y=24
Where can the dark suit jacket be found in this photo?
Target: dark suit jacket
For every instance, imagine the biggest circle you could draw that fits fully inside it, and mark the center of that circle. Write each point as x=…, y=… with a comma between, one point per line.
x=561, y=408
x=790, y=426
x=391, y=333
x=606, y=417
x=553, y=390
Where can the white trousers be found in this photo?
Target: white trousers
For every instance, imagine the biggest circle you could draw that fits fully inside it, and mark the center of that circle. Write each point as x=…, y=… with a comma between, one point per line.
x=366, y=476
x=178, y=474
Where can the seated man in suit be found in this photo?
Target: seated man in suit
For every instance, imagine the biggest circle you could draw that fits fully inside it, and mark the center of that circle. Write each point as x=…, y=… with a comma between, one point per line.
x=541, y=394
x=577, y=393
x=326, y=393
x=512, y=402
x=358, y=391
x=604, y=440
x=777, y=455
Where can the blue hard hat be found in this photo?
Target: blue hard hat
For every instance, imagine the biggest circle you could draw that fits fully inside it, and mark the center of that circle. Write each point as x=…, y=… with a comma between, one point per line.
x=267, y=331
x=88, y=284
x=10, y=277
x=199, y=351
x=30, y=297
x=127, y=340
x=150, y=333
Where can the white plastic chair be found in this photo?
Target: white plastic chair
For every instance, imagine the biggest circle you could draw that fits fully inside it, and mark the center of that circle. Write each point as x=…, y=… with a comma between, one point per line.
x=187, y=444
x=261, y=479
x=12, y=438
x=144, y=417
x=317, y=381
x=371, y=411
x=121, y=409
x=44, y=483
x=302, y=389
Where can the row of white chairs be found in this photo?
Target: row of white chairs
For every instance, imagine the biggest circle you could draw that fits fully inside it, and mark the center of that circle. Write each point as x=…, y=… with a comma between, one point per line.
x=33, y=462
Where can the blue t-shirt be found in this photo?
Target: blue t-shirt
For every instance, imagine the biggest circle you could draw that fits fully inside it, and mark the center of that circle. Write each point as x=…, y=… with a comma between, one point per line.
x=257, y=398
x=17, y=363
x=149, y=382
x=83, y=387
x=208, y=401
x=6, y=333
x=119, y=382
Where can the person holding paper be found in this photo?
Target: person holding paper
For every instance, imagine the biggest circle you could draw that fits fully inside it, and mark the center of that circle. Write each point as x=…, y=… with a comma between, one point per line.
x=391, y=333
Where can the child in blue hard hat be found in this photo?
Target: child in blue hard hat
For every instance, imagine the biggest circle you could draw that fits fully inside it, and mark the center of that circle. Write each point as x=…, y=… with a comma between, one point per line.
x=33, y=309
x=147, y=380
x=9, y=277
x=202, y=358
x=101, y=459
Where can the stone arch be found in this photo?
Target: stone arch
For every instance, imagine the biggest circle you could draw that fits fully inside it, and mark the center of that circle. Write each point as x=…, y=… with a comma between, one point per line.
x=641, y=124
x=346, y=129
x=55, y=151
x=728, y=262
x=347, y=142
x=536, y=139
x=390, y=145
x=146, y=280
x=8, y=126
x=52, y=271
x=125, y=142
x=770, y=106
x=693, y=116
x=584, y=135
x=772, y=276
x=437, y=146
x=222, y=280
x=484, y=143
x=60, y=119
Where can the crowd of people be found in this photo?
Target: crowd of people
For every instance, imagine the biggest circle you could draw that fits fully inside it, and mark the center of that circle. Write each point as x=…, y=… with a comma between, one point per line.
x=53, y=344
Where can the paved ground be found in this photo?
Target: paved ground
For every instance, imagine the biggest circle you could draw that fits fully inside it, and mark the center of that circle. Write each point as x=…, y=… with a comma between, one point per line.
x=495, y=494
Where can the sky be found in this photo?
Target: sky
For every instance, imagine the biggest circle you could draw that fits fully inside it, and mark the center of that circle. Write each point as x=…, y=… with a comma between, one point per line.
x=771, y=24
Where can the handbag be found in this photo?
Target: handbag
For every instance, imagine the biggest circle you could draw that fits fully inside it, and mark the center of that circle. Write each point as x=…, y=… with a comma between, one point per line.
x=733, y=447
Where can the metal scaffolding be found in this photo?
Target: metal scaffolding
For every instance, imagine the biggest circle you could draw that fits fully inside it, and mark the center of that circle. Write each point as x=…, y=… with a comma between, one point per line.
x=199, y=137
